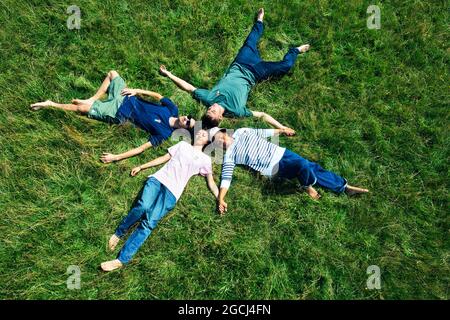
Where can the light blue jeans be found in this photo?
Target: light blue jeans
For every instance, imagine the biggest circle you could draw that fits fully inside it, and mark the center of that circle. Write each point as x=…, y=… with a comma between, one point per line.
x=153, y=204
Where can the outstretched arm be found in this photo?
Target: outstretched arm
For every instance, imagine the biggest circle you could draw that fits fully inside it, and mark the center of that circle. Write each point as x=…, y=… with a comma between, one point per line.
x=133, y=92
x=109, y=157
x=270, y=120
x=152, y=163
x=212, y=185
x=183, y=85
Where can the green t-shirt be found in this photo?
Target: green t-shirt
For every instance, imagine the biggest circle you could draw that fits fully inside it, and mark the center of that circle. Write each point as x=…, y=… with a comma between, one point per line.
x=231, y=92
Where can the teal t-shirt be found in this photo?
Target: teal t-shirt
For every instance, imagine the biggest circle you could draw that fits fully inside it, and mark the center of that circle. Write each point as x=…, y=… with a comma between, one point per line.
x=231, y=92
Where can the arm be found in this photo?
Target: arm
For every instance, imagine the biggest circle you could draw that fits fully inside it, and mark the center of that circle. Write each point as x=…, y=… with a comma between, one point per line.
x=133, y=92
x=152, y=163
x=223, y=206
x=266, y=133
x=227, y=175
x=270, y=120
x=109, y=157
x=186, y=86
x=212, y=185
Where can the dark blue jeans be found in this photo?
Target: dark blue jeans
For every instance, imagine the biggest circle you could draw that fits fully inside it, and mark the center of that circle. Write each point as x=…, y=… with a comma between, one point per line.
x=154, y=203
x=249, y=57
x=309, y=173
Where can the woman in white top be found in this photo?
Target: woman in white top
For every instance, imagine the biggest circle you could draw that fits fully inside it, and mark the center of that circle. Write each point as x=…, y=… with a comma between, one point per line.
x=160, y=194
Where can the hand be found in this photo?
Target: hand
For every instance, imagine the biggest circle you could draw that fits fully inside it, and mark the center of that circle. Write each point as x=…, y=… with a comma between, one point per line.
x=288, y=131
x=223, y=207
x=108, y=157
x=135, y=171
x=164, y=71
x=129, y=92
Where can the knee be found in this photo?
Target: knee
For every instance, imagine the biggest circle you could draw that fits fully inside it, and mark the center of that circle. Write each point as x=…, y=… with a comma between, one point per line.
x=112, y=74
x=149, y=225
x=143, y=206
x=306, y=177
x=288, y=64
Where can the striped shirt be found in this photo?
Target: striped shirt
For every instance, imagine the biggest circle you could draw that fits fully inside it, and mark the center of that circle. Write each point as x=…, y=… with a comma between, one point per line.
x=250, y=148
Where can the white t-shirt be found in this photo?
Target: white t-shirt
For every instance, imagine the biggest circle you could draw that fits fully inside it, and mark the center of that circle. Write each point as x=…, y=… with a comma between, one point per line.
x=184, y=163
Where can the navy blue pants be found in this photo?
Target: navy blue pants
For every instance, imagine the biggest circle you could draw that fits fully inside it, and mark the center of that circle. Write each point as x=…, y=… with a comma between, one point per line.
x=249, y=57
x=309, y=173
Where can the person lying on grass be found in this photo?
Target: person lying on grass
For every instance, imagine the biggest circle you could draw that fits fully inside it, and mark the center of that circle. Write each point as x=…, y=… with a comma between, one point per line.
x=249, y=147
x=229, y=96
x=160, y=194
x=122, y=105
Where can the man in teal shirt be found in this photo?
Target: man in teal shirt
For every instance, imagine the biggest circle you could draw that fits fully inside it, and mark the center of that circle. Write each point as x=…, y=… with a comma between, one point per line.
x=229, y=96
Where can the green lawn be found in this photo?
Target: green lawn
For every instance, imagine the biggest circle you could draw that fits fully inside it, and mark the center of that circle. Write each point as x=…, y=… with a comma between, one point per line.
x=372, y=105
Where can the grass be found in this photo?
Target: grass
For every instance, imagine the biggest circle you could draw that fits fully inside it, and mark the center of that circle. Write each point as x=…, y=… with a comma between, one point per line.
x=371, y=105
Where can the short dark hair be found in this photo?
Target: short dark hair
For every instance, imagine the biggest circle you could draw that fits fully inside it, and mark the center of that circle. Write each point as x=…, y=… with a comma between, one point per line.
x=208, y=123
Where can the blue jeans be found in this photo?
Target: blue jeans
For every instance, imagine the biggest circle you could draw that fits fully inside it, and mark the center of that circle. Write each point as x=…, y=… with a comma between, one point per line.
x=309, y=173
x=153, y=204
x=249, y=57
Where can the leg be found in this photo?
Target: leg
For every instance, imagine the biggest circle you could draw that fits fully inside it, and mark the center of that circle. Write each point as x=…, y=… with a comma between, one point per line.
x=165, y=202
x=292, y=166
x=101, y=91
x=146, y=201
x=82, y=108
x=249, y=54
x=328, y=179
x=265, y=70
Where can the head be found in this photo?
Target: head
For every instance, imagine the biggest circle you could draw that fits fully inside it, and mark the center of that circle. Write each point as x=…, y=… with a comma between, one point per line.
x=215, y=112
x=208, y=123
x=220, y=138
x=185, y=122
x=201, y=138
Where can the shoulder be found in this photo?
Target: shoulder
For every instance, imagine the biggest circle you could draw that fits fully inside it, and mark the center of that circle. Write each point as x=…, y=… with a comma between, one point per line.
x=184, y=144
x=241, y=131
x=181, y=145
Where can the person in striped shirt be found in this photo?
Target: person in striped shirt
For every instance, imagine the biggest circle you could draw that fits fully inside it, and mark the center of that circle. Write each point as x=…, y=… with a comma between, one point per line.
x=249, y=147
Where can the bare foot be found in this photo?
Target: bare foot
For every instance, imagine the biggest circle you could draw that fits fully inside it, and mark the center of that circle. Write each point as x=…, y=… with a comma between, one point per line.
x=111, y=265
x=312, y=193
x=303, y=48
x=89, y=101
x=350, y=190
x=40, y=105
x=164, y=71
x=261, y=14
x=113, y=241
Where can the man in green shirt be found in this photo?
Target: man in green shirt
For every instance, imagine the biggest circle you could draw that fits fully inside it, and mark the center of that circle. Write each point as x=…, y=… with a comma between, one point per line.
x=229, y=96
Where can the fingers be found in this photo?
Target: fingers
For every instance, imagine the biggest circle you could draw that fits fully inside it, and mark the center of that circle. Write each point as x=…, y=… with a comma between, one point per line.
x=128, y=92
x=289, y=132
x=106, y=157
x=163, y=70
x=223, y=207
